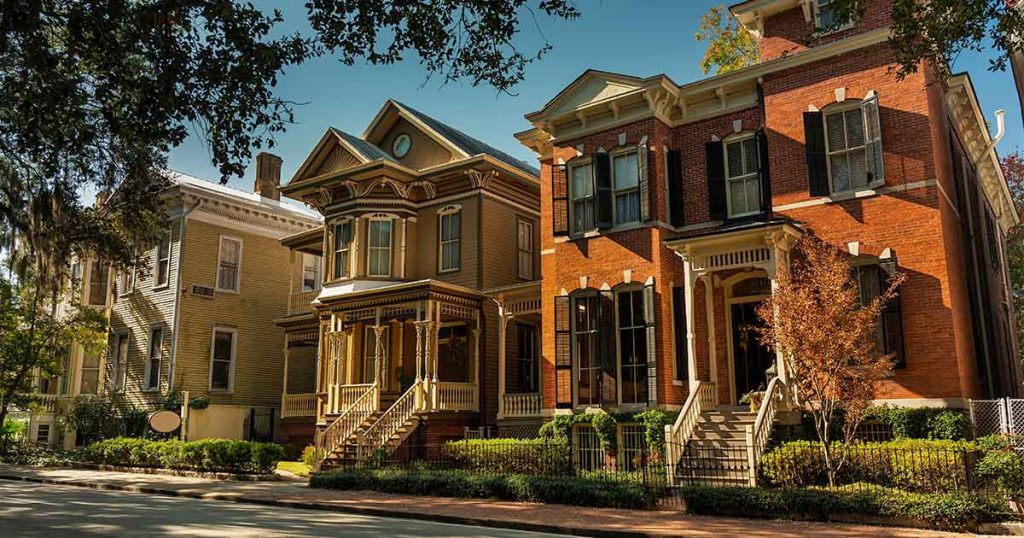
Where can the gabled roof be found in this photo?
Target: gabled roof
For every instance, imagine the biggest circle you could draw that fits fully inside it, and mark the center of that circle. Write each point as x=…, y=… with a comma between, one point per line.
x=240, y=196
x=371, y=151
x=470, y=145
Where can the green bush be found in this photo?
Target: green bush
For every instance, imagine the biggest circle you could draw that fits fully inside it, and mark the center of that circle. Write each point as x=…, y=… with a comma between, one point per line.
x=512, y=487
x=1004, y=470
x=950, y=425
x=207, y=455
x=911, y=464
x=311, y=456
x=510, y=456
x=923, y=422
x=951, y=511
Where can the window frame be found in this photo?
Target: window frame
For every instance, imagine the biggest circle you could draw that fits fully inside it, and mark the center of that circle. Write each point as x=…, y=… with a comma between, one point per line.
x=370, y=248
x=49, y=432
x=840, y=109
x=231, y=360
x=755, y=176
x=527, y=362
x=148, y=373
x=346, y=267
x=93, y=265
x=317, y=272
x=126, y=277
x=520, y=251
x=120, y=367
x=616, y=193
x=81, y=374
x=593, y=298
x=591, y=199
x=819, y=30
x=856, y=265
x=640, y=329
x=220, y=264
x=158, y=262
x=449, y=212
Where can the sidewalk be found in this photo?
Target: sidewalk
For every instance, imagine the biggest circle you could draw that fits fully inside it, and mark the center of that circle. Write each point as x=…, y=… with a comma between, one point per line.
x=498, y=514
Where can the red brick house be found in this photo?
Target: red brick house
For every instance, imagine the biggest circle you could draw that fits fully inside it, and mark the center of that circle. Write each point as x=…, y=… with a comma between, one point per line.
x=666, y=210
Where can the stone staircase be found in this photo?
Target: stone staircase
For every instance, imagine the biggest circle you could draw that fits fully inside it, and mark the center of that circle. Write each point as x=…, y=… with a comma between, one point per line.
x=716, y=453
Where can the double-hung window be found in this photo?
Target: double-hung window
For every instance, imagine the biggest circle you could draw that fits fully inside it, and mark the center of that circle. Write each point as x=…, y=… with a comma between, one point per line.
x=872, y=282
x=582, y=195
x=632, y=346
x=853, y=144
x=310, y=272
x=742, y=182
x=229, y=264
x=99, y=276
x=586, y=331
x=526, y=357
x=342, y=247
x=89, y=382
x=524, y=249
x=120, y=361
x=222, y=359
x=379, y=251
x=151, y=379
x=126, y=278
x=626, y=187
x=450, y=240
x=163, y=261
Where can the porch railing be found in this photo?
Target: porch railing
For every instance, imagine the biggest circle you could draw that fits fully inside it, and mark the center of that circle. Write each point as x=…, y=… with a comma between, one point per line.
x=702, y=398
x=389, y=423
x=331, y=438
x=341, y=397
x=522, y=405
x=761, y=431
x=453, y=396
x=298, y=405
x=301, y=302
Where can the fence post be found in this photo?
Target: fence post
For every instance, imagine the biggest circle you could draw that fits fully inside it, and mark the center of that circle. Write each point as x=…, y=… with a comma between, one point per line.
x=751, y=472
x=1004, y=416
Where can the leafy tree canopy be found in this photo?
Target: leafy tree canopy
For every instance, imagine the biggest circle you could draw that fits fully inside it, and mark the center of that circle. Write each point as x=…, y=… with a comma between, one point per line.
x=729, y=47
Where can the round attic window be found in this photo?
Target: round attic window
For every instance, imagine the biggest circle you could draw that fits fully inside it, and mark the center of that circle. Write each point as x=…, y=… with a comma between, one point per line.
x=400, y=147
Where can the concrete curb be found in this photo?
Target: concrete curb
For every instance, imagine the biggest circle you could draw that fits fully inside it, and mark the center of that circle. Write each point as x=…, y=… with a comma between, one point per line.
x=304, y=504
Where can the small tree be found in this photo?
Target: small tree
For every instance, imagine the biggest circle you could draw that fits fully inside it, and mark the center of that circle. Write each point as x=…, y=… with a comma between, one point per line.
x=729, y=46
x=827, y=339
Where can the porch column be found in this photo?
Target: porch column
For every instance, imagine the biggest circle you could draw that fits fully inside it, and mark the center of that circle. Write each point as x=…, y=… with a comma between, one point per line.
x=475, y=378
x=343, y=358
x=709, y=301
x=284, y=380
x=772, y=268
x=691, y=345
x=380, y=375
x=320, y=381
x=503, y=319
x=421, y=331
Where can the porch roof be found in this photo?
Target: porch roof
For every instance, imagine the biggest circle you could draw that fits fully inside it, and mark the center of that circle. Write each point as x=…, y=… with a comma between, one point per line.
x=362, y=293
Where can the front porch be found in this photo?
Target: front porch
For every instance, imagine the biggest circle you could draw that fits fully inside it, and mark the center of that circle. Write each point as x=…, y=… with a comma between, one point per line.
x=519, y=379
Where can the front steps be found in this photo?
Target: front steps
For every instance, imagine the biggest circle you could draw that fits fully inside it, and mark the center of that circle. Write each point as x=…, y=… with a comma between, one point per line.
x=347, y=453
x=716, y=454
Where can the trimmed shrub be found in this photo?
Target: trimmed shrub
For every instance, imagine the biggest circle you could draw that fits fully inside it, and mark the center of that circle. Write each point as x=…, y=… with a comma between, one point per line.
x=207, y=455
x=1003, y=469
x=512, y=487
x=510, y=456
x=951, y=511
x=923, y=422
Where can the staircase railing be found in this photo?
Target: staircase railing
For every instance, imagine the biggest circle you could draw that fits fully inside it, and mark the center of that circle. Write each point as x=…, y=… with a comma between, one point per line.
x=388, y=424
x=761, y=431
x=330, y=438
x=702, y=398
x=453, y=396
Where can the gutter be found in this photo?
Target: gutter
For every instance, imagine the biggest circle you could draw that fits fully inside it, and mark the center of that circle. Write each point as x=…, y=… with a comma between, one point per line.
x=1000, y=133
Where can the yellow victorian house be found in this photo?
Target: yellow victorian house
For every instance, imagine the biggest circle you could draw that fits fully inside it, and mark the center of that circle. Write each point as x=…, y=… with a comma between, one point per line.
x=414, y=308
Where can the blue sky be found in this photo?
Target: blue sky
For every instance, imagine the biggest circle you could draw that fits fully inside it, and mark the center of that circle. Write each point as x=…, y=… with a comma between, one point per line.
x=638, y=37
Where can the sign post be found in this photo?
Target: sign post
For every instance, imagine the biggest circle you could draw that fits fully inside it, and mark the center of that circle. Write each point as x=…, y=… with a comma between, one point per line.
x=185, y=412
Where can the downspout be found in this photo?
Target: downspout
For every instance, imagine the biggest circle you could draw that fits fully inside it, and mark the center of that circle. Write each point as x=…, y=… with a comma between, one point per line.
x=177, y=296
x=1000, y=133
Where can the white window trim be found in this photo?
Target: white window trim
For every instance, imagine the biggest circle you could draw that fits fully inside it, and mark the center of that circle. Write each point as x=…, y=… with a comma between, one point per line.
x=318, y=276
x=819, y=32
x=238, y=276
x=231, y=366
x=390, y=248
x=740, y=137
x=332, y=232
x=627, y=288
x=445, y=212
x=88, y=285
x=615, y=192
x=520, y=221
x=126, y=281
x=149, y=350
x=576, y=163
x=121, y=378
x=157, y=285
x=840, y=108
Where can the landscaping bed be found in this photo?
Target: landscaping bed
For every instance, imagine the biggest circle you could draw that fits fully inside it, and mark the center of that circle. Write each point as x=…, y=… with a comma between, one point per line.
x=206, y=456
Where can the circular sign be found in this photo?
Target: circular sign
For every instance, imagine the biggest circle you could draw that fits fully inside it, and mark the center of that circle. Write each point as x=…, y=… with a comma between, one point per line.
x=164, y=421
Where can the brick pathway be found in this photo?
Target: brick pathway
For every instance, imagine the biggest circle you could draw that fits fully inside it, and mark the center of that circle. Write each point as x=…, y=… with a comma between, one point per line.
x=526, y=516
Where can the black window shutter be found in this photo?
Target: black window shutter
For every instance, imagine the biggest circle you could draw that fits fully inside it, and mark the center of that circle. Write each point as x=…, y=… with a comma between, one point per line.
x=560, y=199
x=563, y=353
x=891, y=321
x=652, y=354
x=764, y=178
x=679, y=333
x=643, y=182
x=717, y=207
x=675, y=187
x=603, y=189
x=606, y=354
x=817, y=162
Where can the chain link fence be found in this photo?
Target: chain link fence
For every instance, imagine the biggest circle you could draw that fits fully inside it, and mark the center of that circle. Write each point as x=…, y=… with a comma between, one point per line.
x=1003, y=416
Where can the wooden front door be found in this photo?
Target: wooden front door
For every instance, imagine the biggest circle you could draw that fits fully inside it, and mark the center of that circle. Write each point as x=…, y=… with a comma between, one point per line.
x=751, y=359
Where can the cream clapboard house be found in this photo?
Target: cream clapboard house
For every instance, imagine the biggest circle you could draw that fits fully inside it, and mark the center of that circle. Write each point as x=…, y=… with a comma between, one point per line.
x=202, y=319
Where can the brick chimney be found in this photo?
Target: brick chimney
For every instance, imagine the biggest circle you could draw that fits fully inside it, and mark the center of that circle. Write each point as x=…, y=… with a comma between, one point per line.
x=268, y=176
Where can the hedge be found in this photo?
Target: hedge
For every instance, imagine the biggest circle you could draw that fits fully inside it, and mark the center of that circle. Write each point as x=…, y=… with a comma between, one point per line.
x=510, y=487
x=912, y=464
x=950, y=511
x=923, y=422
x=509, y=456
x=207, y=455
